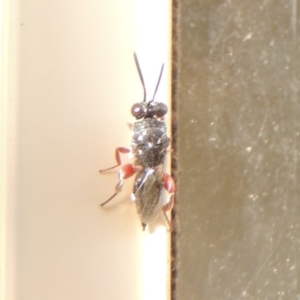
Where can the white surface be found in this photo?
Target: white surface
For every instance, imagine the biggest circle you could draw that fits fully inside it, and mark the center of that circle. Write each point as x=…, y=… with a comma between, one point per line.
x=71, y=84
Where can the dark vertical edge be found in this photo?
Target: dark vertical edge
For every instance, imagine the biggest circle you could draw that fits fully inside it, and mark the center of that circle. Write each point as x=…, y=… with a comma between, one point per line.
x=174, y=130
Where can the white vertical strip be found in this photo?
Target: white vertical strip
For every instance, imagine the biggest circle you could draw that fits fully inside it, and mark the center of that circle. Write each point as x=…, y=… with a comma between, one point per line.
x=153, y=49
x=3, y=109
x=8, y=146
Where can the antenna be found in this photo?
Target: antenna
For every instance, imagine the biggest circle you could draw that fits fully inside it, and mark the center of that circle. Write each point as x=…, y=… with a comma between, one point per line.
x=140, y=74
x=159, y=78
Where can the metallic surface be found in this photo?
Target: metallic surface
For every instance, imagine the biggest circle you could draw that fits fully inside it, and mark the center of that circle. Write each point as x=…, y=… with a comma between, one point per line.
x=149, y=142
x=238, y=139
x=149, y=146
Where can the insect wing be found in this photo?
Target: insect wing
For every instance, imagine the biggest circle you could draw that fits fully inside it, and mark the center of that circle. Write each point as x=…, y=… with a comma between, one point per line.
x=148, y=190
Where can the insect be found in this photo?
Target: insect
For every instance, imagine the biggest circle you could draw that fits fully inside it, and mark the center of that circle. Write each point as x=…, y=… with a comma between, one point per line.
x=149, y=147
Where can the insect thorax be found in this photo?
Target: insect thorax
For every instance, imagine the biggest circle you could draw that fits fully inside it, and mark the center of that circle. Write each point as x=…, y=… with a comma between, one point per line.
x=149, y=142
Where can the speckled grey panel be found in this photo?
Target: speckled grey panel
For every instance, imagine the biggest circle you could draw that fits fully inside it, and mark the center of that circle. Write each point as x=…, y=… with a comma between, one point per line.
x=238, y=150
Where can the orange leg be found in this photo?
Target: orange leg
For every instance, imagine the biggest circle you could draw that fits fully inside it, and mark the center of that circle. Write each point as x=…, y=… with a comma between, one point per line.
x=169, y=185
x=119, y=150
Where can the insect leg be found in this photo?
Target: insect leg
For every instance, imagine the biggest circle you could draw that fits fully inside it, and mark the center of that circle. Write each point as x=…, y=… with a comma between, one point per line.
x=169, y=185
x=168, y=207
x=118, y=157
x=126, y=172
x=168, y=182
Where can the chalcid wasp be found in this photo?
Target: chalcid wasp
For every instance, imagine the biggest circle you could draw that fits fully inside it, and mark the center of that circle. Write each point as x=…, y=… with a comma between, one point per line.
x=149, y=147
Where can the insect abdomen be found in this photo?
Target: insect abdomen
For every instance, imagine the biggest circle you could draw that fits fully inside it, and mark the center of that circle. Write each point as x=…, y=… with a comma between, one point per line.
x=147, y=190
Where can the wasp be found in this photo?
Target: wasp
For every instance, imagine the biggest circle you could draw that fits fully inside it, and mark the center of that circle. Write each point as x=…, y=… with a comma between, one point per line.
x=149, y=147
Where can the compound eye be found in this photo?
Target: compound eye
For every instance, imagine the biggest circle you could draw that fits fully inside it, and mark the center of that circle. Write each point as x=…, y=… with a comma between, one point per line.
x=153, y=108
x=162, y=110
x=138, y=110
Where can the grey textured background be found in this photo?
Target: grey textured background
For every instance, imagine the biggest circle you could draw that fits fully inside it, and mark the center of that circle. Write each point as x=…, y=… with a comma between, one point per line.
x=238, y=141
